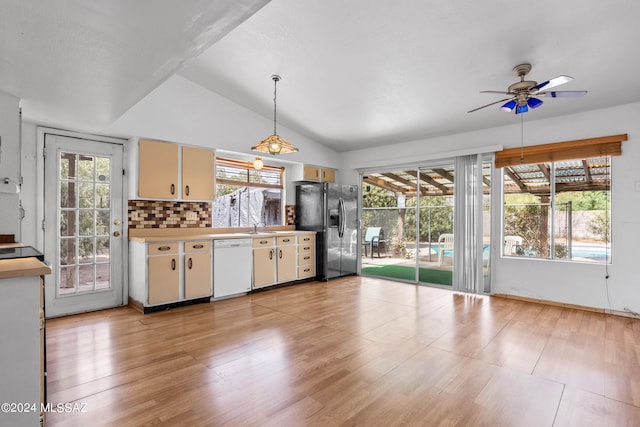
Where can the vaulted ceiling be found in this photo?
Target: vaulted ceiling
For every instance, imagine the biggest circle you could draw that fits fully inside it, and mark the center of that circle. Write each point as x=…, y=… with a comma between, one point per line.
x=355, y=73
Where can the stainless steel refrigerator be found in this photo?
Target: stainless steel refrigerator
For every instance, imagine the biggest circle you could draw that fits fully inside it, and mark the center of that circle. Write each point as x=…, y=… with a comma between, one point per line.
x=332, y=211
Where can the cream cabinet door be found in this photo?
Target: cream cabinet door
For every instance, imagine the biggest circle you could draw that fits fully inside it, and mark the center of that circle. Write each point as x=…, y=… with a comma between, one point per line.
x=197, y=173
x=163, y=279
x=328, y=175
x=264, y=267
x=197, y=275
x=287, y=268
x=311, y=173
x=157, y=169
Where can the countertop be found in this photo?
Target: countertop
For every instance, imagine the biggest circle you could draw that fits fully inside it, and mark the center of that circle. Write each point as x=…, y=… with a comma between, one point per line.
x=21, y=267
x=157, y=235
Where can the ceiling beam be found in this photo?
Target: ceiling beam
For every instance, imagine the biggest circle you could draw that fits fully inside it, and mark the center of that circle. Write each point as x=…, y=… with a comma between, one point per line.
x=426, y=178
x=516, y=179
x=587, y=172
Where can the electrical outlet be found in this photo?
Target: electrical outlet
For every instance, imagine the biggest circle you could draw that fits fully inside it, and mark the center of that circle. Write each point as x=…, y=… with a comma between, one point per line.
x=192, y=216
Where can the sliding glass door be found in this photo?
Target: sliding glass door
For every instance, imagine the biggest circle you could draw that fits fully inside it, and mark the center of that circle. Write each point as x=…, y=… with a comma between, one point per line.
x=416, y=229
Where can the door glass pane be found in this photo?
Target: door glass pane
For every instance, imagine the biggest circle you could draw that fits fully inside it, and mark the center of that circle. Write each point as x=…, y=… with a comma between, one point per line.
x=103, y=169
x=68, y=280
x=86, y=277
x=388, y=224
x=86, y=223
x=67, y=166
x=68, y=194
x=68, y=251
x=67, y=223
x=102, y=196
x=85, y=168
x=85, y=247
x=436, y=225
x=86, y=195
x=102, y=222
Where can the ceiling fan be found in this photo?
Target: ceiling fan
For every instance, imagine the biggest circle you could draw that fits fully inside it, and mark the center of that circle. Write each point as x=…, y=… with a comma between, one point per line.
x=526, y=94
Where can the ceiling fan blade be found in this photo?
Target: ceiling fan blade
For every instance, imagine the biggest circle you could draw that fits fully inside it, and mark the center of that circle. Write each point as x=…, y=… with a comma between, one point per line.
x=497, y=91
x=488, y=105
x=557, y=81
x=564, y=94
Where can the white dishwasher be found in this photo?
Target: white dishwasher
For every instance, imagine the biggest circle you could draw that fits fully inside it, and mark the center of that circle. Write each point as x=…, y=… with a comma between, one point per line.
x=232, y=266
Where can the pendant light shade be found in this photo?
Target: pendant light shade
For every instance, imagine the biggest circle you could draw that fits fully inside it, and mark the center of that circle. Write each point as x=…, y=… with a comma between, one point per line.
x=258, y=164
x=274, y=144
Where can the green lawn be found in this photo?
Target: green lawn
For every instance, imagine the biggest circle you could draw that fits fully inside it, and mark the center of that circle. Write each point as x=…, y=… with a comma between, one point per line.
x=440, y=277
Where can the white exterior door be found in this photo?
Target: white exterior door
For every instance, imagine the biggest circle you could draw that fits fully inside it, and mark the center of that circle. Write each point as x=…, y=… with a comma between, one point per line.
x=83, y=224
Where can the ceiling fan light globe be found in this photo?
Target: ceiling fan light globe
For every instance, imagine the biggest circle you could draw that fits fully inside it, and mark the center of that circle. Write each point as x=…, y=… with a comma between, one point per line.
x=509, y=106
x=534, y=102
x=522, y=109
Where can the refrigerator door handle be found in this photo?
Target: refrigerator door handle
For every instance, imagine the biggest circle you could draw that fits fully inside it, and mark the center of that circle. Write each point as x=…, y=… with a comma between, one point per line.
x=341, y=218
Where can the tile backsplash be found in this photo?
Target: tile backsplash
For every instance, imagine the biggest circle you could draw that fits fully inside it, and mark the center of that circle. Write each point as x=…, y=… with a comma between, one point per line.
x=168, y=214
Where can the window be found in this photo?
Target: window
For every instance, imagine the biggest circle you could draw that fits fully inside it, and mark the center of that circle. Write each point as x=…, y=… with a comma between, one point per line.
x=558, y=210
x=245, y=196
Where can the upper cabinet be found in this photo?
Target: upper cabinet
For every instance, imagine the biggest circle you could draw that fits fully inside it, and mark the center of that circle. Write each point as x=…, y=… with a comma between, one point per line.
x=160, y=169
x=157, y=169
x=317, y=173
x=197, y=173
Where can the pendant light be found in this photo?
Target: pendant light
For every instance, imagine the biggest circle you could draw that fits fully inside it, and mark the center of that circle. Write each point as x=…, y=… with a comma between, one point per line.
x=258, y=164
x=274, y=144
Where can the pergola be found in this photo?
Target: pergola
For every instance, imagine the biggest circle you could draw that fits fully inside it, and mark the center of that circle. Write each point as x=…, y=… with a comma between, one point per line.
x=570, y=175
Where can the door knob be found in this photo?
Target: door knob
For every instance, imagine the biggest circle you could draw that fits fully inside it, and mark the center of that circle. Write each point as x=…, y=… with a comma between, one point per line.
x=116, y=234
x=116, y=222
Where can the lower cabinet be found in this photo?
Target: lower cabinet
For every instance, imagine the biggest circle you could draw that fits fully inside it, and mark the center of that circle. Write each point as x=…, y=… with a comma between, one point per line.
x=164, y=273
x=164, y=279
x=286, y=259
x=283, y=259
x=264, y=262
x=197, y=269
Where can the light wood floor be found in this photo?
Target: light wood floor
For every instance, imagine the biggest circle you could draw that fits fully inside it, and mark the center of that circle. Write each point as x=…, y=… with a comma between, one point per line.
x=354, y=351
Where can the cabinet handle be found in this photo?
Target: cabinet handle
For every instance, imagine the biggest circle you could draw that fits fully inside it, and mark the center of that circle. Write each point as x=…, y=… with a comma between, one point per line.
x=164, y=248
x=173, y=263
x=173, y=189
x=324, y=175
x=306, y=248
x=280, y=253
x=186, y=190
x=286, y=240
x=271, y=254
x=307, y=257
x=264, y=242
x=306, y=270
x=198, y=246
x=306, y=239
x=190, y=263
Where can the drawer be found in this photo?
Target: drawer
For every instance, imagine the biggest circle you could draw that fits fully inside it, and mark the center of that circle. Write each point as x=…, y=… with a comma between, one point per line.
x=307, y=239
x=263, y=242
x=305, y=258
x=163, y=248
x=286, y=240
x=306, y=271
x=306, y=248
x=197, y=246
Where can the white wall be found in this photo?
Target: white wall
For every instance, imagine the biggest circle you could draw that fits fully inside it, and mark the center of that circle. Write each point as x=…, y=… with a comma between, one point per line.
x=184, y=112
x=9, y=164
x=572, y=283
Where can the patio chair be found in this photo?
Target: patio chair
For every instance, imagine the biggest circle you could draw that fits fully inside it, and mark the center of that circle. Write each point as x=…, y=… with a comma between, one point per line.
x=511, y=244
x=374, y=239
x=445, y=243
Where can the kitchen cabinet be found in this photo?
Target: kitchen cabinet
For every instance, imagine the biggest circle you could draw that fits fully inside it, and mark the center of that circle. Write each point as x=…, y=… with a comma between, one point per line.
x=286, y=267
x=264, y=262
x=163, y=274
x=169, y=273
x=22, y=354
x=317, y=173
x=306, y=256
x=159, y=168
x=198, y=166
x=197, y=269
x=283, y=259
